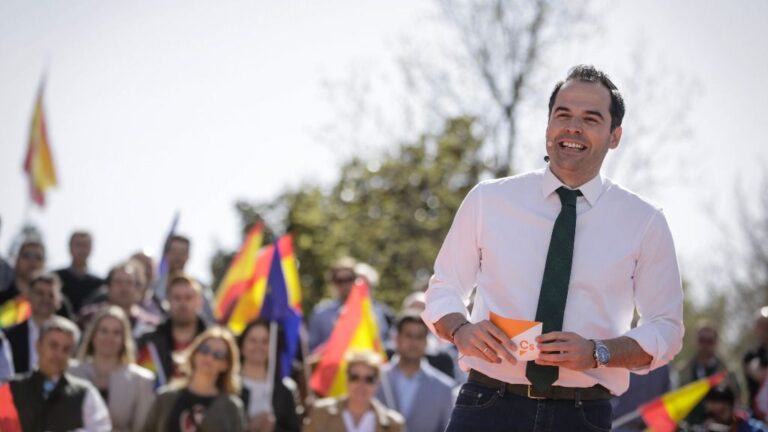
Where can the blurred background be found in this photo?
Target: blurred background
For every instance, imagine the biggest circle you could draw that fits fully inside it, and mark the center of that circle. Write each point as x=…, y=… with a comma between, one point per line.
x=358, y=126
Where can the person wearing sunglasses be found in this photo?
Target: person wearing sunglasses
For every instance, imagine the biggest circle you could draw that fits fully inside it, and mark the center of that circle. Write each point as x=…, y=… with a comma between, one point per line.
x=206, y=399
x=359, y=410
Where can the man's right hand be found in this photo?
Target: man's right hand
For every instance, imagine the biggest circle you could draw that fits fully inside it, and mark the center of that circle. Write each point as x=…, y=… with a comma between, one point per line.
x=482, y=340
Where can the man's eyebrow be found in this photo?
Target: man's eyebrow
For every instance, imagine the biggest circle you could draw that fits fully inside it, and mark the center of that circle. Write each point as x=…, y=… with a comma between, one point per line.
x=595, y=113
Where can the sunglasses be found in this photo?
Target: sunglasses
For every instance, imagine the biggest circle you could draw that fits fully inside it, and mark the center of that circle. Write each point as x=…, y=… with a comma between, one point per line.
x=369, y=379
x=218, y=355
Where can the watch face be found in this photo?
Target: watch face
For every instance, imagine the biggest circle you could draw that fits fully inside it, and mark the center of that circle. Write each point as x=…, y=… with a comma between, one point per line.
x=603, y=355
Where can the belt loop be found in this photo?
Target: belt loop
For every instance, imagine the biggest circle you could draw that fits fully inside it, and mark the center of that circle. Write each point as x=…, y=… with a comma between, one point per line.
x=577, y=398
x=502, y=388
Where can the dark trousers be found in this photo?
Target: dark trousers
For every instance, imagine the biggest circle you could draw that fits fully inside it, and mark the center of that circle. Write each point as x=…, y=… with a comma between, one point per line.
x=486, y=409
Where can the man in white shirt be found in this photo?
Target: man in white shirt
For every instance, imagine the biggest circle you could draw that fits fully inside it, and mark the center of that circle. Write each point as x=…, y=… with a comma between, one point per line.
x=621, y=259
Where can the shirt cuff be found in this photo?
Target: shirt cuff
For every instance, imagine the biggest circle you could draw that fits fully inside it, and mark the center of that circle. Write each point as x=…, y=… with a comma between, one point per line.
x=439, y=307
x=653, y=344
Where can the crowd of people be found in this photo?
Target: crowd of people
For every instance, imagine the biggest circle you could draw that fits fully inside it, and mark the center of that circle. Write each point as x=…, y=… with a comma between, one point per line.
x=151, y=363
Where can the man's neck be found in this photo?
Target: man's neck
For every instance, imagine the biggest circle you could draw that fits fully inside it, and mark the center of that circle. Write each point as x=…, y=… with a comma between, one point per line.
x=409, y=367
x=22, y=284
x=183, y=332
x=38, y=320
x=80, y=268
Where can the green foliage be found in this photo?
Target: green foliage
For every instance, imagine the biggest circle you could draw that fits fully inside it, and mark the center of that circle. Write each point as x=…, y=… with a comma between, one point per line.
x=391, y=212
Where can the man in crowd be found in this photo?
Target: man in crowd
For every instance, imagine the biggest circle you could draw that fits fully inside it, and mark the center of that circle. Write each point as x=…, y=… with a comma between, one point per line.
x=124, y=285
x=410, y=385
x=149, y=301
x=29, y=259
x=50, y=399
x=156, y=349
x=44, y=300
x=721, y=414
x=342, y=277
x=755, y=362
x=76, y=283
x=704, y=363
x=176, y=255
x=569, y=248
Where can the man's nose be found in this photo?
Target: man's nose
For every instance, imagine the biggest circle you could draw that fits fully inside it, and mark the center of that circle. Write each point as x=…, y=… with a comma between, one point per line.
x=574, y=126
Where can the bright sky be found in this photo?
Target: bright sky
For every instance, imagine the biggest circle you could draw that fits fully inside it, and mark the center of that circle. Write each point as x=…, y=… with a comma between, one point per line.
x=154, y=107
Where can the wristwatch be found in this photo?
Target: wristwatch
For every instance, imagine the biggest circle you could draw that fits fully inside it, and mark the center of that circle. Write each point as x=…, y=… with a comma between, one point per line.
x=601, y=354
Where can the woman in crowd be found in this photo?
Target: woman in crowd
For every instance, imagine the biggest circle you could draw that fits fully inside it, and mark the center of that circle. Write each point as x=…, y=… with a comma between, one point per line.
x=107, y=360
x=268, y=405
x=359, y=411
x=206, y=399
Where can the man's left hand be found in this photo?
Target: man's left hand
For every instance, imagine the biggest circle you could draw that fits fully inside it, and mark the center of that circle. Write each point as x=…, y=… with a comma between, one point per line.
x=566, y=349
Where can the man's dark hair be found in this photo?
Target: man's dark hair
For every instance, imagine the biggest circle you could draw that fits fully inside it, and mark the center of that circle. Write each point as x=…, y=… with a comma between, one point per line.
x=177, y=238
x=589, y=73
x=721, y=393
x=409, y=316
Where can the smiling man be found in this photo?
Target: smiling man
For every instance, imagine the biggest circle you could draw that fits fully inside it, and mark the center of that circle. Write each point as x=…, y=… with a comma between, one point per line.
x=569, y=248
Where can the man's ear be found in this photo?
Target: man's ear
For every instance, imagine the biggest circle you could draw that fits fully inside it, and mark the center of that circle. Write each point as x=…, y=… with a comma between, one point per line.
x=615, y=137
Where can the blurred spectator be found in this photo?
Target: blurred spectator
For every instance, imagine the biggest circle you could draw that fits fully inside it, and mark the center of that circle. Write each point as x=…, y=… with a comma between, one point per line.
x=29, y=259
x=6, y=359
x=149, y=301
x=269, y=406
x=409, y=385
x=755, y=362
x=721, y=414
x=124, y=284
x=359, y=410
x=44, y=300
x=342, y=276
x=156, y=349
x=107, y=360
x=77, y=283
x=705, y=362
x=6, y=272
x=206, y=399
x=176, y=255
x=642, y=389
x=49, y=398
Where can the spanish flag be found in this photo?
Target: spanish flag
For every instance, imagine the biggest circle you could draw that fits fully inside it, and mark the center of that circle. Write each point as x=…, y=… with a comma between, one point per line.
x=664, y=413
x=240, y=275
x=290, y=271
x=14, y=311
x=9, y=417
x=38, y=163
x=356, y=329
x=248, y=303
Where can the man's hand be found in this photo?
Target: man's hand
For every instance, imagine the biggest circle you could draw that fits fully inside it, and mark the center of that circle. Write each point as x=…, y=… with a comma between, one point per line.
x=566, y=349
x=486, y=341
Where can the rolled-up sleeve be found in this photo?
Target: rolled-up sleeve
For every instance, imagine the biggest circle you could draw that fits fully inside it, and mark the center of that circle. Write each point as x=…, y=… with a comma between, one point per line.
x=457, y=264
x=658, y=296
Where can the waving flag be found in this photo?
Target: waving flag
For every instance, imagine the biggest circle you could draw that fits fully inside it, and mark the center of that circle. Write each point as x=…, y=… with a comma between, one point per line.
x=248, y=305
x=14, y=311
x=290, y=271
x=162, y=272
x=38, y=163
x=356, y=329
x=240, y=275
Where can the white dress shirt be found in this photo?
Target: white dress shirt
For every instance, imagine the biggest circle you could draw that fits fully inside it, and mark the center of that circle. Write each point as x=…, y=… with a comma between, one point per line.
x=623, y=258
x=367, y=422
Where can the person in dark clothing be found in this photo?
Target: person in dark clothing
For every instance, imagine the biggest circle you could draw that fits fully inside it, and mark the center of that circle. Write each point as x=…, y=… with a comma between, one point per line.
x=77, y=283
x=184, y=323
x=269, y=405
x=50, y=399
x=755, y=362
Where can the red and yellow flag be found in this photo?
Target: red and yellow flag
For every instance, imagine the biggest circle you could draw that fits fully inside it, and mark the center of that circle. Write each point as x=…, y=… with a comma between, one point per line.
x=9, y=417
x=14, y=311
x=240, y=275
x=290, y=271
x=248, y=305
x=664, y=413
x=38, y=163
x=356, y=329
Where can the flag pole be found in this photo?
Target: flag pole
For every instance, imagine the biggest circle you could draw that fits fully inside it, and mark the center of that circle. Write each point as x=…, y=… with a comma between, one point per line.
x=272, y=364
x=304, y=347
x=626, y=418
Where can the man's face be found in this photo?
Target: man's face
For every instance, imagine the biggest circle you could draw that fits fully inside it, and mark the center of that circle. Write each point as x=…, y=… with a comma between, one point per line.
x=579, y=131
x=44, y=300
x=184, y=303
x=706, y=342
x=719, y=411
x=80, y=248
x=177, y=255
x=123, y=289
x=53, y=350
x=411, y=341
x=343, y=279
x=30, y=260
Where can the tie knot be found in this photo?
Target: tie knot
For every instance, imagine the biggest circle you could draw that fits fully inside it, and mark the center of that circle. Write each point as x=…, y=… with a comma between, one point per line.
x=568, y=196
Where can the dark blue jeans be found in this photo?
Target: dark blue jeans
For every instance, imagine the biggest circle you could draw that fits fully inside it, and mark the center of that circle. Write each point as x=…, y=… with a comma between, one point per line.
x=486, y=409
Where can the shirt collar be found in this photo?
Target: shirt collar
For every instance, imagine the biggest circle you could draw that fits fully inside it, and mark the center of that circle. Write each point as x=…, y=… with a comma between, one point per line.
x=591, y=189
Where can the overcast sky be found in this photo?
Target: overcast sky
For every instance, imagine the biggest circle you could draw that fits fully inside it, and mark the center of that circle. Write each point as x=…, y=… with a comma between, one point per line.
x=158, y=106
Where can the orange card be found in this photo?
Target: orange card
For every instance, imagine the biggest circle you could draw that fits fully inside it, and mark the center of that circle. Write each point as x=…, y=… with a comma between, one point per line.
x=523, y=333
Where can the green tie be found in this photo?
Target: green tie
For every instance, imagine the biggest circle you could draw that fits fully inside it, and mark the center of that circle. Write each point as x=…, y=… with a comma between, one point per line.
x=554, y=284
